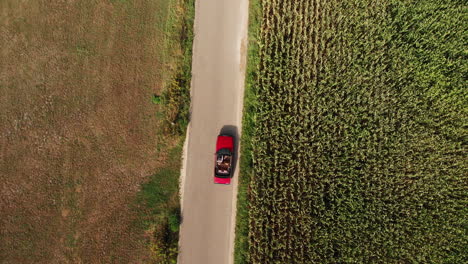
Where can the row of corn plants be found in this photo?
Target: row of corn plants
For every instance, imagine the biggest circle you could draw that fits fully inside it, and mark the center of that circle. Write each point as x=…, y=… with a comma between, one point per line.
x=359, y=148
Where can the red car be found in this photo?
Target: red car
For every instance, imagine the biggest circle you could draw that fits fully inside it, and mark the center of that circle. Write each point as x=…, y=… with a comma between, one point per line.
x=223, y=159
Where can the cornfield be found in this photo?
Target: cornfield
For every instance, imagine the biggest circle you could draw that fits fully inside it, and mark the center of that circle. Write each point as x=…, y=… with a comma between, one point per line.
x=359, y=149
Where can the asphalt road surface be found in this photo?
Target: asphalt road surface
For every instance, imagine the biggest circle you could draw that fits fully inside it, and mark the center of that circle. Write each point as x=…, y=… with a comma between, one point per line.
x=208, y=210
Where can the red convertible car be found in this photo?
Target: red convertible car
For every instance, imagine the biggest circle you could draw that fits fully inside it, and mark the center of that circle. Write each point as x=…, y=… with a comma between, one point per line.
x=223, y=159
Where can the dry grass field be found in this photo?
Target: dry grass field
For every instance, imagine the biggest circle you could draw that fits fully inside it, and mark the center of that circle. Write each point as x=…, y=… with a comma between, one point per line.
x=78, y=130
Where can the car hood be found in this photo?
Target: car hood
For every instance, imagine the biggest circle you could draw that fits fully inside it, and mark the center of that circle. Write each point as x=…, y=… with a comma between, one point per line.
x=222, y=180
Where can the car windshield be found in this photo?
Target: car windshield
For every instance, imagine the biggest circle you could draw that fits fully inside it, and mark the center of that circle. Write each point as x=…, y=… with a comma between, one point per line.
x=224, y=151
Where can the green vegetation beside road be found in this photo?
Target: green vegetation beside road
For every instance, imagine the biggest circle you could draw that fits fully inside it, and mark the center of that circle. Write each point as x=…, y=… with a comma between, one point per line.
x=242, y=216
x=158, y=201
x=159, y=209
x=358, y=148
x=177, y=57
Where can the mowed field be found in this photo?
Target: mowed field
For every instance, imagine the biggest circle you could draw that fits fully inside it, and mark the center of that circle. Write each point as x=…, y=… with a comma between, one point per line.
x=78, y=129
x=357, y=114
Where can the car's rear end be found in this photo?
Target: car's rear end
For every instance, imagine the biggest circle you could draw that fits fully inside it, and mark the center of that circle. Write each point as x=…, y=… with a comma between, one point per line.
x=223, y=159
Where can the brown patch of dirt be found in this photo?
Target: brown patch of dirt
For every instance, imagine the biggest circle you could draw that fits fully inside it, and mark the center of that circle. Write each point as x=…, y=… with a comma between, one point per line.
x=78, y=132
x=65, y=212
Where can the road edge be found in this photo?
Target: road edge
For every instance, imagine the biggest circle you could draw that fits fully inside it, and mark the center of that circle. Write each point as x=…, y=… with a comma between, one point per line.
x=183, y=168
x=242, y=68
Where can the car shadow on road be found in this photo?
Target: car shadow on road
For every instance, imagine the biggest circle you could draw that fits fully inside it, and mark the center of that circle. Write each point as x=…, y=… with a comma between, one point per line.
x=231, y=130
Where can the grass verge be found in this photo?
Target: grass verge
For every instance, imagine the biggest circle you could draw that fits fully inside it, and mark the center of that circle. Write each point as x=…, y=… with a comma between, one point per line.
x=241, y=242
x=158, y=201
x=159, y=208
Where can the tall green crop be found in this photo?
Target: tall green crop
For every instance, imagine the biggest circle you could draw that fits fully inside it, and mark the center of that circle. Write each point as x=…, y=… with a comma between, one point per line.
x=360, y=133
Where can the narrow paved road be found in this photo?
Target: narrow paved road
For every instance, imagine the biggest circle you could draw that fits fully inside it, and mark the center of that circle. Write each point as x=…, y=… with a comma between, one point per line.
x=208, y=210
